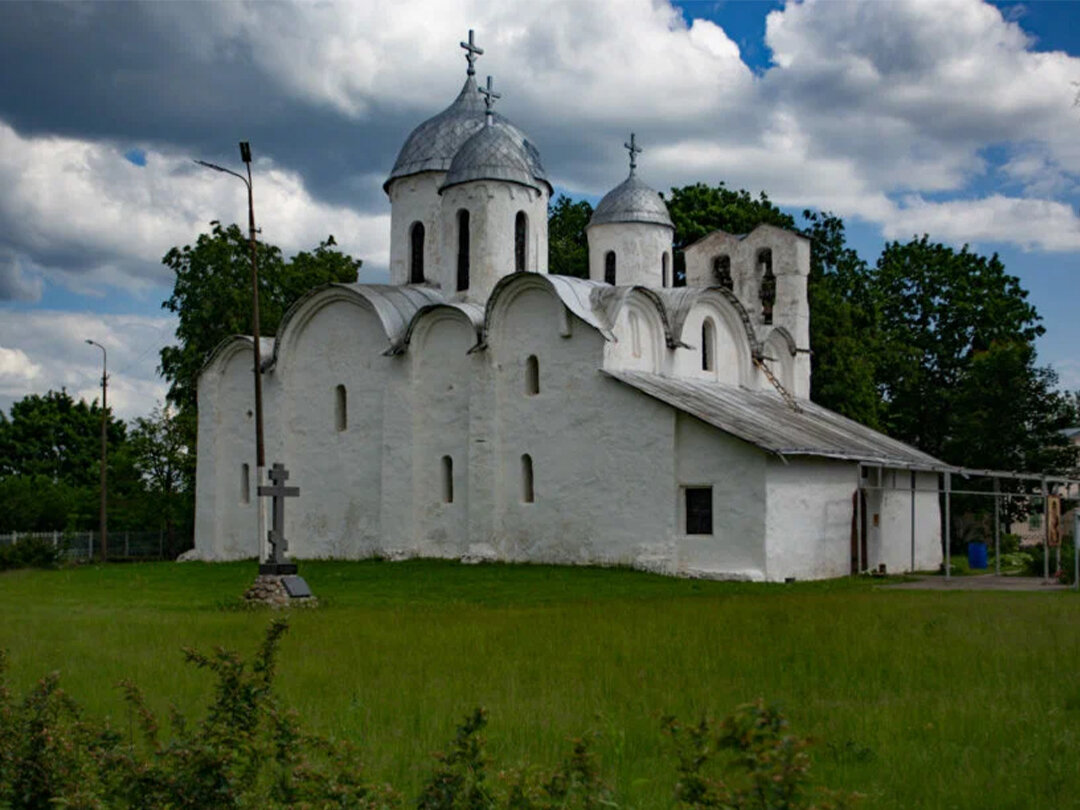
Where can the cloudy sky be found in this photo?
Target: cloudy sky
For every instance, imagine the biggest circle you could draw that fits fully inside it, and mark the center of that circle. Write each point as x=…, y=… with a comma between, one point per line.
x=955, y=118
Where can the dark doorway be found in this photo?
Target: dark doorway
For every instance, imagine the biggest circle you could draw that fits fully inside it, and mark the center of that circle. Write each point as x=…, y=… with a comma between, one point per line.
x=861, y=513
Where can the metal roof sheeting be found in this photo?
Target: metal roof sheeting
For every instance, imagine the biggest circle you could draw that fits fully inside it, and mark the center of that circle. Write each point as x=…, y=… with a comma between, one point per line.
x=632, y=201
x=765, y=420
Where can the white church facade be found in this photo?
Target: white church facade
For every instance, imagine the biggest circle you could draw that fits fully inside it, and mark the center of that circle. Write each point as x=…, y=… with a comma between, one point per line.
x=477, y=407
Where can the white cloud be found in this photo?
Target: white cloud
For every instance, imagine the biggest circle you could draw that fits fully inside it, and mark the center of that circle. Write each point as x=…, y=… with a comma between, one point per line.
x=1032, y=224
x=89, y=218
x=42, y=350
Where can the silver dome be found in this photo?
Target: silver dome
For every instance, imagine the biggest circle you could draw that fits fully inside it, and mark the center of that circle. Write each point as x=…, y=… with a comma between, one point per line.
x=498, y=152
x=432, y=145
x=632, y=201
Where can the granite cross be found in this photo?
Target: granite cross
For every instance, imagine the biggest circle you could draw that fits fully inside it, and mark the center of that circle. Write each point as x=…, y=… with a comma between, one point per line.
x=279, y=492
x=635, y=150
x=489, y=95
x=471, y=52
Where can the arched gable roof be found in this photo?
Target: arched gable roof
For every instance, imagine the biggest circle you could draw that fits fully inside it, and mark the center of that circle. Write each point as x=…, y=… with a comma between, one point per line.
x=223, y=351
x=576, y=294
x=474, y=313
x=394, y=306
x=782, y=335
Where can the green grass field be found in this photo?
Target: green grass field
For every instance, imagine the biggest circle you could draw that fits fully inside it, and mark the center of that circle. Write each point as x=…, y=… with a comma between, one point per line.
x=915, y=699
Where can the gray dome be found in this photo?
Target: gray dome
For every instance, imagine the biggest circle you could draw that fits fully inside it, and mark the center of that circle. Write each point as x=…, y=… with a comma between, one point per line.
x=432, y=145
x=498, y=152
x=632, y=201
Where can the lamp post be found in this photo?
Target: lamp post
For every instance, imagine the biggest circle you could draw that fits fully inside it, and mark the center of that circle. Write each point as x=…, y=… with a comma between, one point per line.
x=104, y=447
x=260, y=455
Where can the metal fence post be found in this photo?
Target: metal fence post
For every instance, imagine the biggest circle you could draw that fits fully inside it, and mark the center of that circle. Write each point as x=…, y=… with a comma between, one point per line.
x=913, y=521
x=997, y=527
x=948, y=526
x=127, y=545
x=90, y=546
x=1076, y=549
x=1046, y=532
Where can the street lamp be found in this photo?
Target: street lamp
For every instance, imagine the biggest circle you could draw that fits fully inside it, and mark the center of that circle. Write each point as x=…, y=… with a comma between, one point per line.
x=104, y=446
x=260, y=455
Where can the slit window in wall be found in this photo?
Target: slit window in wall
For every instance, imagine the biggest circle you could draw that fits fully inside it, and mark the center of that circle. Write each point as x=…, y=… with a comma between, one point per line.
x=721, y=269
x=635, y=334
x=521, y=237
x=341, y=409
x=768, y=285
x=609, y=267
x=708, y=345
x=447, y=479
x=463, y=250
x=527, y=494
x=532, y=376
x=663, y=270
x=245, y=483
x=698, y=510
x=416, y=253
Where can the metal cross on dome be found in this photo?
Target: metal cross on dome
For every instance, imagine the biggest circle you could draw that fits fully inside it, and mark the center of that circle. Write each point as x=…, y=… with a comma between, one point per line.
x=471, y=52
x=634, y=150
x=489, y=99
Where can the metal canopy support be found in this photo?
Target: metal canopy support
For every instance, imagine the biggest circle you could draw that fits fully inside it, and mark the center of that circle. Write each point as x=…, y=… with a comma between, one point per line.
x=912, y=521
x=948, y=526
x=997, y=527
x=858, y=519
x=1076, y=549
x=1046, y=532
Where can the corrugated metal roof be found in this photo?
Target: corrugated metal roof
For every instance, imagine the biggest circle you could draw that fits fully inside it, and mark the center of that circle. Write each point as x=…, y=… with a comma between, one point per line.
x=632, y=201
x=765, y=420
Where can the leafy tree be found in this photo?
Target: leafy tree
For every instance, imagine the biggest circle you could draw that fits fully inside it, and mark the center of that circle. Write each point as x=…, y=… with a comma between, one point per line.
x=938, y=309
x=159, y=451
x=212, y=296
x=568, y=247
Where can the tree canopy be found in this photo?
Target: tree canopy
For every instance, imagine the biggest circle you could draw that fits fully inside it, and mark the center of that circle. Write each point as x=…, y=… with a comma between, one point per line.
x=567, y=244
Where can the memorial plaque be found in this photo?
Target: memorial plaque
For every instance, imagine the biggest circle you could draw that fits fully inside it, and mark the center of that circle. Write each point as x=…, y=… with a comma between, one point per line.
x=296, y=587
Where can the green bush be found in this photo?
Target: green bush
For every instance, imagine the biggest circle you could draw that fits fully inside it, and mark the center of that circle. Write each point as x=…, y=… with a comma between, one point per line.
x=1035, y=564
x=248, y=752
x=32, y=552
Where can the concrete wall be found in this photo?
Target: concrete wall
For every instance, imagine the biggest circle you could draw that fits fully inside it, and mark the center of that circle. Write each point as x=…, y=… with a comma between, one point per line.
x=641, y=250
x=809, y=518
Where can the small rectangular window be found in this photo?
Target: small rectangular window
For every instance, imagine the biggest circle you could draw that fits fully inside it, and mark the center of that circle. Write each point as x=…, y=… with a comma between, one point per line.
x=341, y=409
x=699, y=510
x=447, y=479
x=245, y=483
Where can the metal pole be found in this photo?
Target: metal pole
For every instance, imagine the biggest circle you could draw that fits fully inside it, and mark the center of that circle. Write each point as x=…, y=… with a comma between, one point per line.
x=1076, y=549
x=948, y=526
x=997, y=527
x=912, y=521
x=104, y=448
x=858, y=519
x=1046, y=532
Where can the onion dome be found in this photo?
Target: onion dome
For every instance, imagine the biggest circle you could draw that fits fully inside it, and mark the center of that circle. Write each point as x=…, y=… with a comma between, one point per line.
x=632, y=200
x=499, y=151
x=432, y=145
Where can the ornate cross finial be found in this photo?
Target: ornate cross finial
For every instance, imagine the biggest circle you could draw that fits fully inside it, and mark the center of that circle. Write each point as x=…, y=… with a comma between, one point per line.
x=471, y=52
x=489, y=100
x=634, y=150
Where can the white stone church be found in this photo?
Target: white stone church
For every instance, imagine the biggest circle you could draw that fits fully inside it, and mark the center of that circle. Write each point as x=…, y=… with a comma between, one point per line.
x=477, y=407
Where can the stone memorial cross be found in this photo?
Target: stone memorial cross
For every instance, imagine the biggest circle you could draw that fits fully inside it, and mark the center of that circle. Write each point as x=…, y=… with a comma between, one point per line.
x=279, y=492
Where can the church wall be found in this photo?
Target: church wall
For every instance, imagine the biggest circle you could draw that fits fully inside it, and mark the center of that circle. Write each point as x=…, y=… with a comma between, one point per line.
x=809, y=518
x=226, y=526
x=639, y=248
x=736, y=472
x=493, y=207
x=601, y=453
x=890, y=543
x=416, y=199
x=441, y=371
x=731, y=349
x=340, y=472
x=639, y=343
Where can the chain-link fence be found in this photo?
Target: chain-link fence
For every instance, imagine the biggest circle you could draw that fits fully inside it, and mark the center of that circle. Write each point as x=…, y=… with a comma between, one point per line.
x=122, y=545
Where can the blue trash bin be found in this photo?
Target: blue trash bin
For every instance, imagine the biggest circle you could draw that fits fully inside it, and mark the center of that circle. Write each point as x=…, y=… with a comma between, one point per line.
x=976, y=555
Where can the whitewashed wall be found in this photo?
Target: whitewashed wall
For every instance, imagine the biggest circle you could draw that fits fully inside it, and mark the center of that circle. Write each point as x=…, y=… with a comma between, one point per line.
x=416, y=199
x=892, y=539
x=640, y=248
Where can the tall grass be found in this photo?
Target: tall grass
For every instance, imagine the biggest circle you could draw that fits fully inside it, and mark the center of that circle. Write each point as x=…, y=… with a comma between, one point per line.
x=929, y=699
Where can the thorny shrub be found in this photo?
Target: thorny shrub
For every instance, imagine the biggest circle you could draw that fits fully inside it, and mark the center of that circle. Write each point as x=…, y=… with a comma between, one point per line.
x=248, y=752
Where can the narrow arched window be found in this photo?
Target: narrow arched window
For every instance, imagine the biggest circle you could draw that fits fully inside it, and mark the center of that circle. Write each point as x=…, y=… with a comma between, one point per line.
x=416, y=253
x=527, y=494
x=609, y=267
x=462, y=250
x=721, y=269
x=447, y=479
x=635, y=334
x=245, y=483
x=532, y=376
x=341, y=409
x=663, y=270
x=521, y=240
x=768, y=285
x=708, y=345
